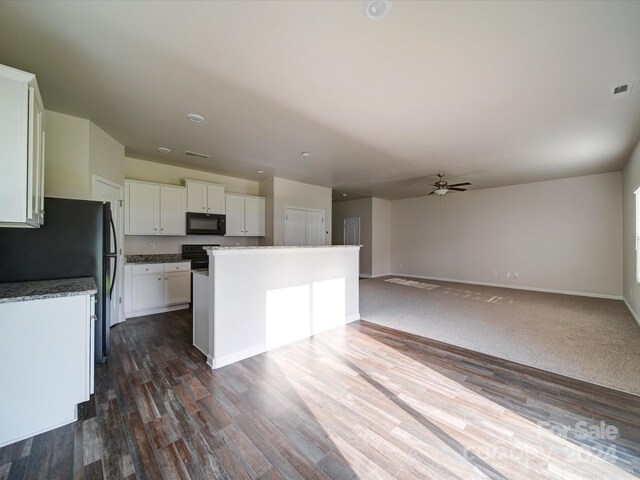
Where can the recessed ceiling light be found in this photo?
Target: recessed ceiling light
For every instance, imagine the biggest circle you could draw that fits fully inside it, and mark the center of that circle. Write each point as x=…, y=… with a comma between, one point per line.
x=376, y=9
x=194, y=117
x=260, y=171
x=164, y=149
x=344, y=194
x=306, y=154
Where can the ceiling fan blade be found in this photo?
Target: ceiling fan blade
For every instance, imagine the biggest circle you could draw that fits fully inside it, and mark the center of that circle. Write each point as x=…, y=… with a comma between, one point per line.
x=431, y=193
x=459, y=184
x=458, y=189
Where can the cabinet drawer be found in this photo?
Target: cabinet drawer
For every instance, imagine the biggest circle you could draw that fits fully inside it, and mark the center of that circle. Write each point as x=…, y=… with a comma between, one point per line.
x=177, y=267
x=146, y=269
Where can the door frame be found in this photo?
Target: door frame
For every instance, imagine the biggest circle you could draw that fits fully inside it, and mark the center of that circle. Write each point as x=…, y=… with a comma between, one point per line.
x=120, y=228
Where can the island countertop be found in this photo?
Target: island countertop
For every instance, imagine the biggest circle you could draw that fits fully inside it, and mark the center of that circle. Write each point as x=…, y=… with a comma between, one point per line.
x=41, y=289
x=274, y=249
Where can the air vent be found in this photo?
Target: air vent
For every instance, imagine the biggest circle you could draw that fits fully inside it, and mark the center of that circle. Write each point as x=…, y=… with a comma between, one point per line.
x=621, y=91
x=197, y=155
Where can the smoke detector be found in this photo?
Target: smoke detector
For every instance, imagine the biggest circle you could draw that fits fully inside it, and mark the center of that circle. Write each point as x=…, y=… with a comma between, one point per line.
x=621, y=91
x=376, y=9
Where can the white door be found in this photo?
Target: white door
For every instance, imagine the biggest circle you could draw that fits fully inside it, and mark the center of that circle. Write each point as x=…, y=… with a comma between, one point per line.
x=147, y=291
x=196, y=197
x=173, y=210
x=234, y=215
x=177, y=288
x=294, y=226
x=143, y=208
x=107, y=191
x=254, y=217
x=314, y=228
x=215, y=199
x=351, y=233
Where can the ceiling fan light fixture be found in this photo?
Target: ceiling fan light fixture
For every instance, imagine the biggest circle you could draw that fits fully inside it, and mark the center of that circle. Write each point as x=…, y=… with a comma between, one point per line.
x=441, y=191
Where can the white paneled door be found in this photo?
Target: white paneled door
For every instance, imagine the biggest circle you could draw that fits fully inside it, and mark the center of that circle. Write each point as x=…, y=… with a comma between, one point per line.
x=303, y=227
x=351, y=234
x=107, y=191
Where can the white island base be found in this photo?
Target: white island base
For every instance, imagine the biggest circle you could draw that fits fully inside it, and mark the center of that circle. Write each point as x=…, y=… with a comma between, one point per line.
x=260, y=298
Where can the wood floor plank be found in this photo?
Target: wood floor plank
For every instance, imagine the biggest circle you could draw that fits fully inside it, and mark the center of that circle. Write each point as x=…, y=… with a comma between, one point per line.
x=361, y=401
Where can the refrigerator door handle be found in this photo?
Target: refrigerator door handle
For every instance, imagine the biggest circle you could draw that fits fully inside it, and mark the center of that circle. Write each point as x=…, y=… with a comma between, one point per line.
x=115, y=256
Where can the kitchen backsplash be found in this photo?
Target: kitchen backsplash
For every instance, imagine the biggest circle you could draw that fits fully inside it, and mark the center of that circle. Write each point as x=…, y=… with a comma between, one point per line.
x=138, y=245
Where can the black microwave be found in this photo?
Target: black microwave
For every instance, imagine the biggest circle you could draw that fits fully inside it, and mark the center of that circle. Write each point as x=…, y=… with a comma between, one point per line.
x=206, y=224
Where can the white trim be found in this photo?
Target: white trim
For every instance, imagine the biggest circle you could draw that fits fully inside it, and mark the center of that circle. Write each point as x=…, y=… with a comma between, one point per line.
x=352, y=318
x=236, y=356
x=633, y=314
x=515, y=287
x=217, y=251
x=153, y=311
x=366, y=275
x=98, y=178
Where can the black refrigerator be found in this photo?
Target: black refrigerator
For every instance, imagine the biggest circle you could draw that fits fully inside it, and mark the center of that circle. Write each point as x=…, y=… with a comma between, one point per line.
x=77, y=240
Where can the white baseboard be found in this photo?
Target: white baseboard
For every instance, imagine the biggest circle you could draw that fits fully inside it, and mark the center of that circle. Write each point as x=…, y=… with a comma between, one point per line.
x=153, y=311
x=633, y=313
x=515, y=287
x=352, y=318
x=364, y=275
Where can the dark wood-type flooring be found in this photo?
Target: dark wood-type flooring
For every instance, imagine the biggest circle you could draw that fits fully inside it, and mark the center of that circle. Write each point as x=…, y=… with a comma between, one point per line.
x=361, y=401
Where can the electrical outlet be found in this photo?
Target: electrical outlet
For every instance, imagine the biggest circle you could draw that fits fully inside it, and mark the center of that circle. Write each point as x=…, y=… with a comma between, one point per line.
x=515, y=274
x=152, y=246
x=508, y=274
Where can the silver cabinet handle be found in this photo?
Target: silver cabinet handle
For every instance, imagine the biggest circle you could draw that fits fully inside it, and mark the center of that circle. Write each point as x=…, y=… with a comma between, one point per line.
x=156, y=229
x=159, y=279
x=147, y=269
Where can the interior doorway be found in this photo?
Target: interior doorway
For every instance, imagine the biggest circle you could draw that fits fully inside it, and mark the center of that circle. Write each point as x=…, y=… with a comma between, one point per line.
x=107, y=191
x=351, y=231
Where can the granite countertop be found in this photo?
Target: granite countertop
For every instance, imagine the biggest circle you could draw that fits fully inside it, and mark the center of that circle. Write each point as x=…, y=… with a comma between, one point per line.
x=154, y=258
x=278, y=247
x=41, y=289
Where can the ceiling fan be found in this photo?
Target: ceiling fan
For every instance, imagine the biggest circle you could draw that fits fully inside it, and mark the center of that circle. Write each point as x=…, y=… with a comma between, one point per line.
x=443, y=187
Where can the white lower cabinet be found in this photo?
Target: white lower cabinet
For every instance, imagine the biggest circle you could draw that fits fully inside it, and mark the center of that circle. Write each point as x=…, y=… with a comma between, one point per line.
x=46, y=364
x=155, y=288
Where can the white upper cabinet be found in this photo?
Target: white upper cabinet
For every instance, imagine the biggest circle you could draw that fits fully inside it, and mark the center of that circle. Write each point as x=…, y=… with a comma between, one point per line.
x=154, y=209
x=22, y=142
x=245, y=216
x=205, y=197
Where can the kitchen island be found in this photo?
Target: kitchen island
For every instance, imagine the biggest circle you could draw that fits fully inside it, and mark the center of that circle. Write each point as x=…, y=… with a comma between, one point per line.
x=260, y=298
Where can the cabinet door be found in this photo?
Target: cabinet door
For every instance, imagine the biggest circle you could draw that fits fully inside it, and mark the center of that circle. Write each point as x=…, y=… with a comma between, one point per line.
x=177, y=288
x=173, y=211
x=143, y=209
x=196, y=197
x=294, y=227
x=146, y=291
x=215, y=199
x=314, y=228
x=235, y=215
x=254, y=217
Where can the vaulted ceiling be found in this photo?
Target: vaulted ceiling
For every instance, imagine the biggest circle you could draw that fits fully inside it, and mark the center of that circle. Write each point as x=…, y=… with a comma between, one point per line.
x=495, y=93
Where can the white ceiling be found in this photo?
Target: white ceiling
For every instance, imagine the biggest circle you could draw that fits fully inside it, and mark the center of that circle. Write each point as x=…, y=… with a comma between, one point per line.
x=495, y=93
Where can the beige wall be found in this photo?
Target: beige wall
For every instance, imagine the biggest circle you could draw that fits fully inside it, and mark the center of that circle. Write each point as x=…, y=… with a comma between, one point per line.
x=287, y=193
x=76, y=149
x=66, y=171
x=630, y=183
x=563, y=235
x=351, y=209
x=266, y=191
x=106, y=156
x=136, y=169
x=380, y=237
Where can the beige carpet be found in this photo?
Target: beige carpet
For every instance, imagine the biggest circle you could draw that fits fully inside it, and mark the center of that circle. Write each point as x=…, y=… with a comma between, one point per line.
x=591, y=339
